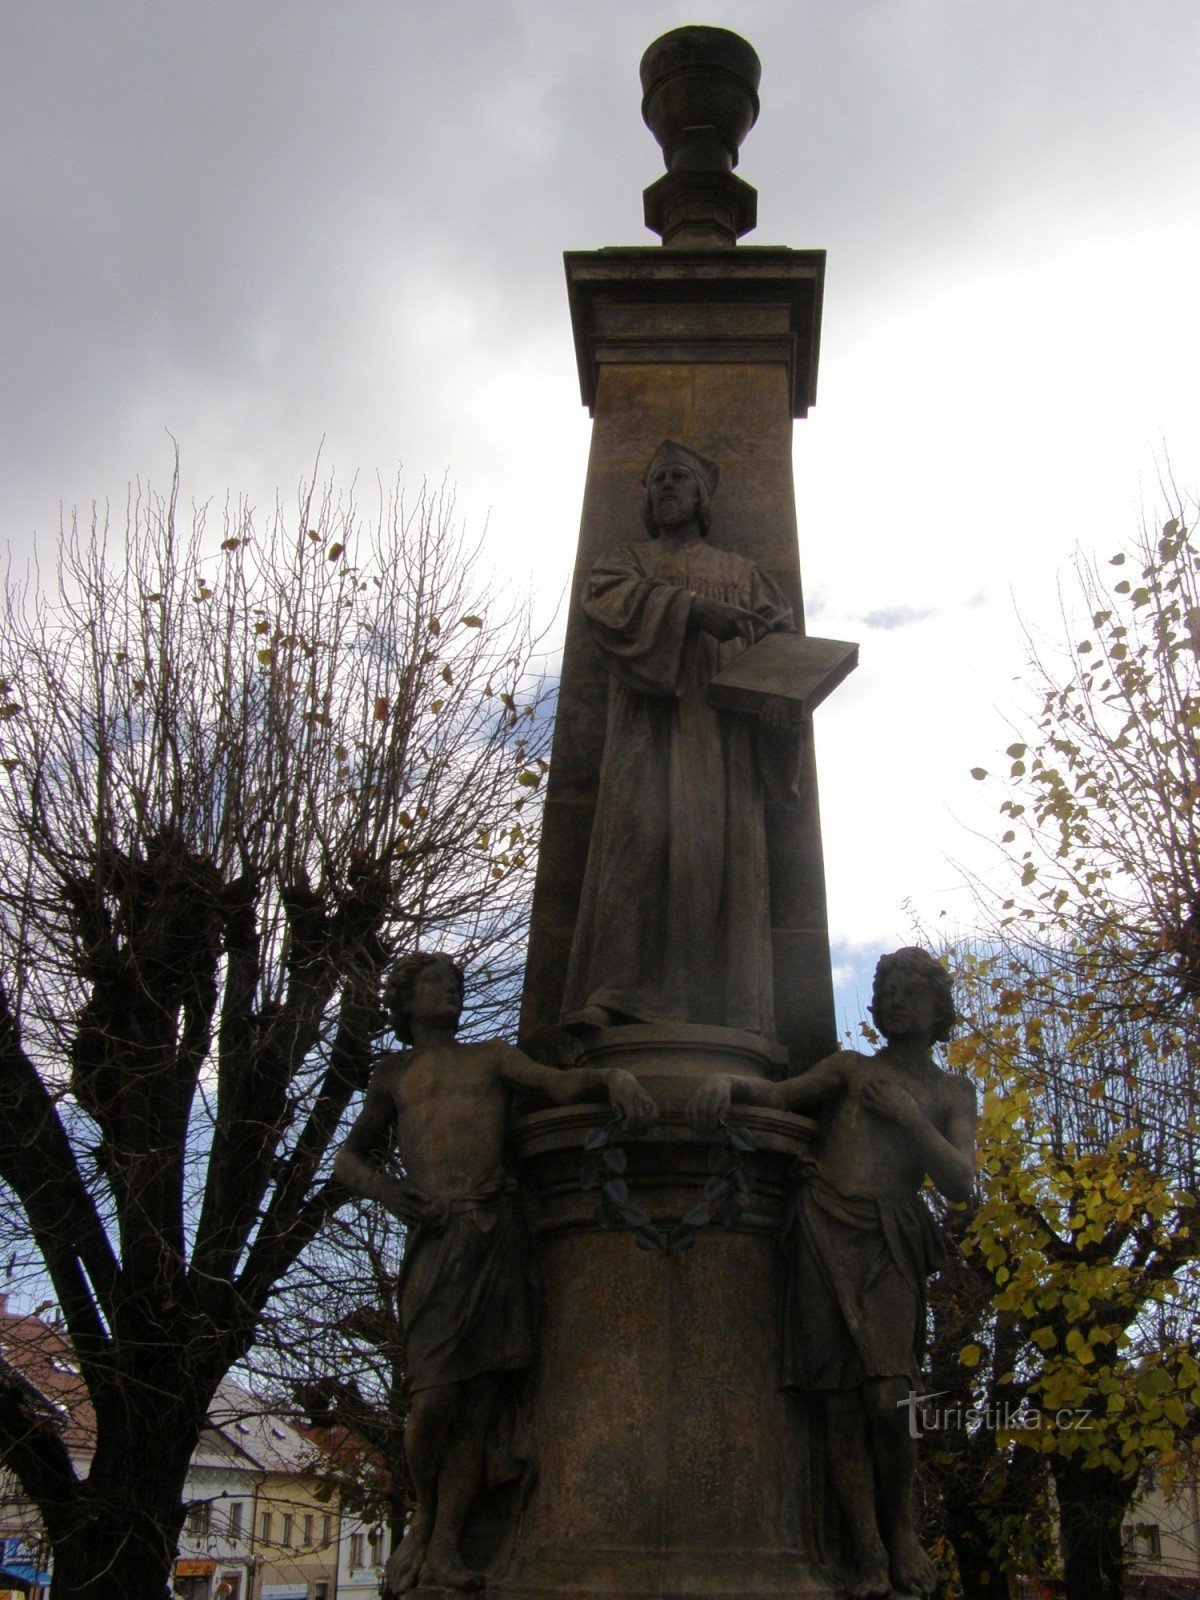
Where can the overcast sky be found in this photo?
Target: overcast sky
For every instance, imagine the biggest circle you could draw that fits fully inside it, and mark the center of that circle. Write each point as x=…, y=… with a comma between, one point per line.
x=258, y=225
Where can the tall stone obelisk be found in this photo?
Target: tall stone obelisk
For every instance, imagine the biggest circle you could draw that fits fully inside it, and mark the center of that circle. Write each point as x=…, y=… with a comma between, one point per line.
x=715, y=345
x=669, y=1463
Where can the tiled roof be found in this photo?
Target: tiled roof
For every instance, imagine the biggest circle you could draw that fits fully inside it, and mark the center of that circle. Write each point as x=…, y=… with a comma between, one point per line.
x=40, y=1357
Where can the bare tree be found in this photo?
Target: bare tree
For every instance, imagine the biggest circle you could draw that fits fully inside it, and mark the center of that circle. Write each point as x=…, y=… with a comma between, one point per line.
x=238, y=769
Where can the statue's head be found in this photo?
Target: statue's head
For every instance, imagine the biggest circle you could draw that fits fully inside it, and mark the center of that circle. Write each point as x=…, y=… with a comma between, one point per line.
x=429, y=982
x=906, y=983
x=673, y=458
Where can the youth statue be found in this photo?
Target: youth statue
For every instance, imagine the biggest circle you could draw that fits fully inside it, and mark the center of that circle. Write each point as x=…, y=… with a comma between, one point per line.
x=674, y=915
x=463, y=1286
x=860, y=1245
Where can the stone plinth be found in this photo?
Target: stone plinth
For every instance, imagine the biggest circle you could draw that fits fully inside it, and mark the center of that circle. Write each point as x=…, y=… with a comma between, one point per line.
x=670, y=1058
x=669, y=1462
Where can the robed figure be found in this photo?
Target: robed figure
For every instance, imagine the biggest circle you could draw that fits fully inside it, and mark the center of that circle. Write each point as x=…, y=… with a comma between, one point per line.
x=674, y=918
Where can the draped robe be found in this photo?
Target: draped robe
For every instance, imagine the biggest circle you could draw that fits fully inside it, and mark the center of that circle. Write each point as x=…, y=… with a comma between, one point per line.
x=674, y=917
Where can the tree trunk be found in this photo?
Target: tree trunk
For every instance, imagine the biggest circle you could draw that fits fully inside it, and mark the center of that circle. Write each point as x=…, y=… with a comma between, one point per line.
x=1092, y=1503
x=109, y=1560
x=979, y=1573
x=118, y=1540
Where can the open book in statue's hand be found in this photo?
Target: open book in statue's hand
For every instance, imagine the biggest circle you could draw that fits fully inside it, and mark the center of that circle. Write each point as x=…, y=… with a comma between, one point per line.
x=784, y=666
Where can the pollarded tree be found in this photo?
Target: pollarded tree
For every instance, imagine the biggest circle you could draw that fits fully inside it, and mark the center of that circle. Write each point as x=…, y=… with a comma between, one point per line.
x=237, y=771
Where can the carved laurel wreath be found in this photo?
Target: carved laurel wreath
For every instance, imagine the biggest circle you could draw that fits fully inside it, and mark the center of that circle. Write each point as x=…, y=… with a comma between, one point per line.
x=728, y=1188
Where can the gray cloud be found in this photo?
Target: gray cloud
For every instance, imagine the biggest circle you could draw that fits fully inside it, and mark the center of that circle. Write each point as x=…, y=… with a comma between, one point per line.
x=888, y=618
x=263, y=225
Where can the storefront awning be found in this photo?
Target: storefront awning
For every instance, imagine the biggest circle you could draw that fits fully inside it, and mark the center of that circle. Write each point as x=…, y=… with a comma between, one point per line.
x=24, y=1573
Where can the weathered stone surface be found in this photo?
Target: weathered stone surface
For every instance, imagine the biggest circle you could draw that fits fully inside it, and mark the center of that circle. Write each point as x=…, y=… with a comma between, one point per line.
x=464, y=1288
x=671, y=1465
x=861, y=1243
x=674, y=913
x=739, y=413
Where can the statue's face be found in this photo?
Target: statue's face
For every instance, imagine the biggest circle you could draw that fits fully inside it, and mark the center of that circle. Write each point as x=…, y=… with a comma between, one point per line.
x=674, y=495
x=434, y=994
x=904, y=1007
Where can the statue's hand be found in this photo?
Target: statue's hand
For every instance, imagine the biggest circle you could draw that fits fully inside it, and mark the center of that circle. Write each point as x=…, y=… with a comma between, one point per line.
x=725, y=622
x=710, y=1103
x=408, y=1206
x=887, y=1098
x=625, y=1094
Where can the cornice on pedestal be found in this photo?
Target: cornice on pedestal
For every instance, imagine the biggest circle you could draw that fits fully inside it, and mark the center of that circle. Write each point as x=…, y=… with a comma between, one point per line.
x=643, y=304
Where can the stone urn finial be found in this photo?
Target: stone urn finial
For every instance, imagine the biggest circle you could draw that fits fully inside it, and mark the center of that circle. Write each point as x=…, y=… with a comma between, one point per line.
x=700, y=100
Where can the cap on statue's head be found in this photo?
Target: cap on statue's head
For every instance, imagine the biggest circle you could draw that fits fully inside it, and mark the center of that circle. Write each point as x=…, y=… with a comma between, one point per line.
x=671, y=453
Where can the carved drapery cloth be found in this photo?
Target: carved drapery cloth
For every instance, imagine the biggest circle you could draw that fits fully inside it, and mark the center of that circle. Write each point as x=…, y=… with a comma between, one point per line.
x=674, y=917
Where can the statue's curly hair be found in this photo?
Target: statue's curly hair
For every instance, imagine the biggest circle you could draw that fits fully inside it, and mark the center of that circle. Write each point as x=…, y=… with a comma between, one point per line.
x=917, y=963
x=398, y=988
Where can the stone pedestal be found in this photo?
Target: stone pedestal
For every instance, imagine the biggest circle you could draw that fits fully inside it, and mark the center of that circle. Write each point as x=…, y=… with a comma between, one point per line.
x=669, y=1462
x=670, y=1465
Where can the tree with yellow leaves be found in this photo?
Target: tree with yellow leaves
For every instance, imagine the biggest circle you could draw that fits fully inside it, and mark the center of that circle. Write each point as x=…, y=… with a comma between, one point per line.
x=1083, y=1036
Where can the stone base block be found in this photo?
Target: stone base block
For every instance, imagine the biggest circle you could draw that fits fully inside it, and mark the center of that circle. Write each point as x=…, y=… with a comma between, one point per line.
x=670, y=1464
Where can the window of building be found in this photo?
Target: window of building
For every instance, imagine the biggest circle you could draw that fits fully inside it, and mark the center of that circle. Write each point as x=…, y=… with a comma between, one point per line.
x=357, y=1550
x=235, y=1520
x=264, y=1527
x=308, y=1527
x=199, y=1517
x=320, y=1591
x=1142, y=1539
x=376, y=1547
x=326, y=1528
x=287, y=1527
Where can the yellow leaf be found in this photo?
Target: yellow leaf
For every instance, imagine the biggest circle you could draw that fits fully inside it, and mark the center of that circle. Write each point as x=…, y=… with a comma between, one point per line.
x=978, y=772
x=472, y=622
x=266, y=657
x=381, y=708
x=335, y=551
x=969, y=1355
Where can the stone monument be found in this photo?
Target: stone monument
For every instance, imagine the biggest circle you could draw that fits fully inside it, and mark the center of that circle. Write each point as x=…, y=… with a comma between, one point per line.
x=464, y=1291
x=679, y=925
x=720, y=1211
x=860, y=1245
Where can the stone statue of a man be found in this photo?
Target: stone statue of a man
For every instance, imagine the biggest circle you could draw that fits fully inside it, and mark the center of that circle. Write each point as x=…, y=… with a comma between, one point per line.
x=674, y=915
x=463, y=1288
x=860, y=1245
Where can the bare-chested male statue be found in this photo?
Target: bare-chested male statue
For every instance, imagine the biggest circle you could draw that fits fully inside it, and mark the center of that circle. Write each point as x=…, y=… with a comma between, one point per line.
x=861, y=1243
x=463, y=1287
